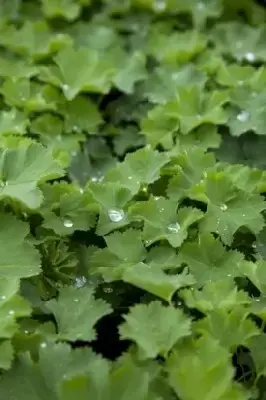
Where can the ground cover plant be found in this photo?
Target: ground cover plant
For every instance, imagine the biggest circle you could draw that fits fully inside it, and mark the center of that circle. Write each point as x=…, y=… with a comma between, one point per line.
x=132, y=195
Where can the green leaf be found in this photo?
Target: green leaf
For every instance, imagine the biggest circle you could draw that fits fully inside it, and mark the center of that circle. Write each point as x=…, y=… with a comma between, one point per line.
x=218, y=295
x=178, y=46
x=250, y=112
x=50, y=379
x=152, y=279
x=81, y=114
x=155, y=328
x=68, y=9
x=33, y=39
x=12, y=306
x=234, y=75
x=230, y=329
x=162, y=85
x=240, y=41
x=129, y=381
x=16, y=69
x=162, y=221
x=191, y=108
x=210, y=370
x=229, y=209
x=256, y=272
x=66, y=209
x=138, y=169
x=112, y=199
x=189, y=169
x=26, y=94
x=6, y=357
x=132, y=70
x=76, y=312
x=13, y=122
x=257, y=348
x=18, y=256
x=89, y=72
x=124, y=250
x=208, y=260
x=22, y=169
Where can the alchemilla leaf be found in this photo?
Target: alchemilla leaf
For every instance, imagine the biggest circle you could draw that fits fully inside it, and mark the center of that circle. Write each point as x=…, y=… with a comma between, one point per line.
x=132, y=199
x=155, y=328
x=78, y=306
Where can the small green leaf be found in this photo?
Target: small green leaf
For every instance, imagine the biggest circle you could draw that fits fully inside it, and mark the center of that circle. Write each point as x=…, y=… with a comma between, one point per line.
x=18, y=256
x=210, y=371
x=132, y=70
x=155, y=328
x=76, y=312
x=230, y=329
x=152, y=279
x=13, y=122
x=218, y=295
x=89, y=72
x=208, y=260
x=68, y=9
x=22, y=169
x=229, y=209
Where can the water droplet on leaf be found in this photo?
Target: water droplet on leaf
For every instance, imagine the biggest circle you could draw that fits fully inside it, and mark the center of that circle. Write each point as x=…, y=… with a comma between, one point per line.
x=174, y=228
x=108, y=290
x=65, y=87
x=3, y=297
x=243, y=116
x=43, y=345
x=223, y=207
x=68, y=223
x=11, y=312
x=80, y=281
x=159, y=5
x=116, y=215
x=249, y=56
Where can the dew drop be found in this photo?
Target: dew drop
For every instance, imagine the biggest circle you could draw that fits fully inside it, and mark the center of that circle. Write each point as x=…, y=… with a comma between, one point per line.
x=249, y=56
x=76, y=300
x=81, y=190
x=240, y=83
x=116, y=215
x=229, y=275
x=68, y=223
x=65, y=87
x=11, y=312
x=223, y=207
x=75, y=128
x=26, y=332
x=159, y=5
x=43, y=345
x=130, y=178
x=174, y=228
x=108, y=290
x=243, y=116
x=3, y=297
x=80, y=281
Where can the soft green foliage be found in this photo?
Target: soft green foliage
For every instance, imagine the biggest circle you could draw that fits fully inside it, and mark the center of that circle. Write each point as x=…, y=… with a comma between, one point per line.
x=132, y=200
